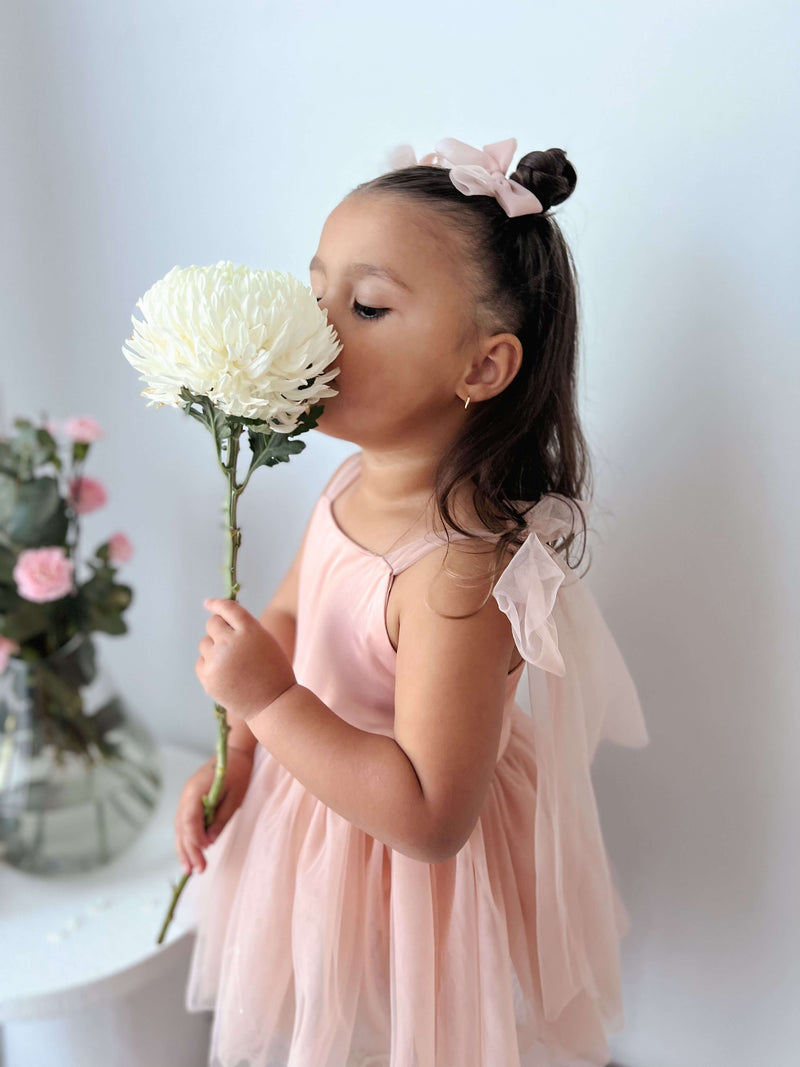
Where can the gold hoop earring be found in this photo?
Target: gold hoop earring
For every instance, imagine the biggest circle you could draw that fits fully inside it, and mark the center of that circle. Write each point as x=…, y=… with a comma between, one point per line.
x=466, y=402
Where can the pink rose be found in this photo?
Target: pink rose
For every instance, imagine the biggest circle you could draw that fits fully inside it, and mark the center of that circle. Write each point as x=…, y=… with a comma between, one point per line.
x=120, y=549
x=7, y=649
x=86, y=495
x=43, y=574
x=84, y=429
x=52, y=428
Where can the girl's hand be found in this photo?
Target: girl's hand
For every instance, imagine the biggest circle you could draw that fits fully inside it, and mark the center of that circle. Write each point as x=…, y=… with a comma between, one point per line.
x=241, y=666
x=190, y=835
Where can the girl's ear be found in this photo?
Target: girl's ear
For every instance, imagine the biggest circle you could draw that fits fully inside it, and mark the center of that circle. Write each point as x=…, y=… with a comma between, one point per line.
x=496, y=364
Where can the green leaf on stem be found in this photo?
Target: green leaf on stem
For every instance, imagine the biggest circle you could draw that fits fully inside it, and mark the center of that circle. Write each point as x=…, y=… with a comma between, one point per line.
x=32, y=446
x=202, y=408
x=8, y=497
x=39, y=516
x=271, y=447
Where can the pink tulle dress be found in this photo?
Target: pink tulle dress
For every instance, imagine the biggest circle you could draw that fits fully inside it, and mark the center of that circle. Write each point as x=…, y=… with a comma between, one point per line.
x=319, y=946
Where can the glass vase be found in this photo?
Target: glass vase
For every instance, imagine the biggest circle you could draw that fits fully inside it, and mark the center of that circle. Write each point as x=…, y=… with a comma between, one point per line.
x=79, y=774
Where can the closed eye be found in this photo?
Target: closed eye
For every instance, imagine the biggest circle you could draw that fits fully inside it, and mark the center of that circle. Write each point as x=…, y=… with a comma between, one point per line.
x=362, y=310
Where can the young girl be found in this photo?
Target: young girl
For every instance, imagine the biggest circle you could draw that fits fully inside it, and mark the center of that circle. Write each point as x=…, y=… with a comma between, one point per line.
x=407, y=869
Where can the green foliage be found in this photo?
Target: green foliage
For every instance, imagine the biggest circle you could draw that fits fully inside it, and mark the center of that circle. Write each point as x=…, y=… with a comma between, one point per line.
x=267, y=445
x=270, y=447
x=22, y=620
x=35, y=512
x=33, y=446
x=39, y=515
x=105, y=600
x=57, y=701
x=202, y=409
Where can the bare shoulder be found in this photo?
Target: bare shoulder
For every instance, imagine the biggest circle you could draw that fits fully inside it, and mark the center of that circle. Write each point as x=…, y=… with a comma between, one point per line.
x=457, y=575
x=453, y=654
x=452, y=581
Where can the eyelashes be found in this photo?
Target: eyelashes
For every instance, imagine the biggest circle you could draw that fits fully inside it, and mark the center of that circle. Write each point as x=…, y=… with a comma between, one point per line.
x=360, y=309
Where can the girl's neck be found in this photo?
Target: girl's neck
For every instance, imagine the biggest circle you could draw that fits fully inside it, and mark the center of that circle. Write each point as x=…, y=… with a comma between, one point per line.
x=401, y=483
x=396, y=481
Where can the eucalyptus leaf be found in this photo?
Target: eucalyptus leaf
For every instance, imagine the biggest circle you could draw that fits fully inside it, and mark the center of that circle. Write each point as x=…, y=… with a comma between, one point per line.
x=7, y=462
x=32, y=444
x=8, y=497
x=49, y=446
x=40, y=515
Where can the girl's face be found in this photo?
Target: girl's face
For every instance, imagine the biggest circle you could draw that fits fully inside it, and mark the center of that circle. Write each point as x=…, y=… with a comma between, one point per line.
x=388, y=276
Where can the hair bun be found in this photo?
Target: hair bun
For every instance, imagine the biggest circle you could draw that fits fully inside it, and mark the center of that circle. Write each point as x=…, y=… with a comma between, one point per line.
x=549, y=175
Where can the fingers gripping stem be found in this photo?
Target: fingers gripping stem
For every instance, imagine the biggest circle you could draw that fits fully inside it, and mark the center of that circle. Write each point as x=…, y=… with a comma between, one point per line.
x=210, y=800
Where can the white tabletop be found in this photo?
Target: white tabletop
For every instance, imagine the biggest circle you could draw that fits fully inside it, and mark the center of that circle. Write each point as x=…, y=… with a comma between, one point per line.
x=67, y=942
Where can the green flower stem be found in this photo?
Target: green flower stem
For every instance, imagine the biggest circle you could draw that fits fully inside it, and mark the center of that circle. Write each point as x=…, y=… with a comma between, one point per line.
x=234, y=533
x=211, y=799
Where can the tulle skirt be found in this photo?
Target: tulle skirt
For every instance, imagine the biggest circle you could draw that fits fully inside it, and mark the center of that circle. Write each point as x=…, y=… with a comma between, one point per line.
x=318, y=946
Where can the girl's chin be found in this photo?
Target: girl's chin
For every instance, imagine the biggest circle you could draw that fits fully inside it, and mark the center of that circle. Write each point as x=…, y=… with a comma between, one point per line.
x=326, y=424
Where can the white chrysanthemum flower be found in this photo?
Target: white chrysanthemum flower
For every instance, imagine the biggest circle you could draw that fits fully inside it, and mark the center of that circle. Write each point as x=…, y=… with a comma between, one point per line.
x=249, y=340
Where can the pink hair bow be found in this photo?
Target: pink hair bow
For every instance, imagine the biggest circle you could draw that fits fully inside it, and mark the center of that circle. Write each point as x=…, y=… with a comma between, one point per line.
x=476, y=173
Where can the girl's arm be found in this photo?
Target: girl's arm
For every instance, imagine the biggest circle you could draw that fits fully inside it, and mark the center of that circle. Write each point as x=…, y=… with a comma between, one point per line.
x=279, y=618
x=420, y=791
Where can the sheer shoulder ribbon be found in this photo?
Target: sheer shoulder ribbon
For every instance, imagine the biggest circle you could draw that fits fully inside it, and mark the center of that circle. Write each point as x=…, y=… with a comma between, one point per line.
x=580, y=692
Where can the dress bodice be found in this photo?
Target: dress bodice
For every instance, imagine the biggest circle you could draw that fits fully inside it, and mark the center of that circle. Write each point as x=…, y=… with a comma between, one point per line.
x=343, y=651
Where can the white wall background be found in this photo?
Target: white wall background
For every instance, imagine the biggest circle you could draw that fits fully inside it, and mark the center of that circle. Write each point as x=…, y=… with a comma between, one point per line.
x=139, y=136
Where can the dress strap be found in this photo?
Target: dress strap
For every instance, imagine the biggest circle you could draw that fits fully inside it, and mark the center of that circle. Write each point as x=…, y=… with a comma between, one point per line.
x=405, y=555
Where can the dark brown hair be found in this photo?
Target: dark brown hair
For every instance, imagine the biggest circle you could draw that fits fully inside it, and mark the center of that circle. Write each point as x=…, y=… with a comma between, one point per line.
x=527, y=440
